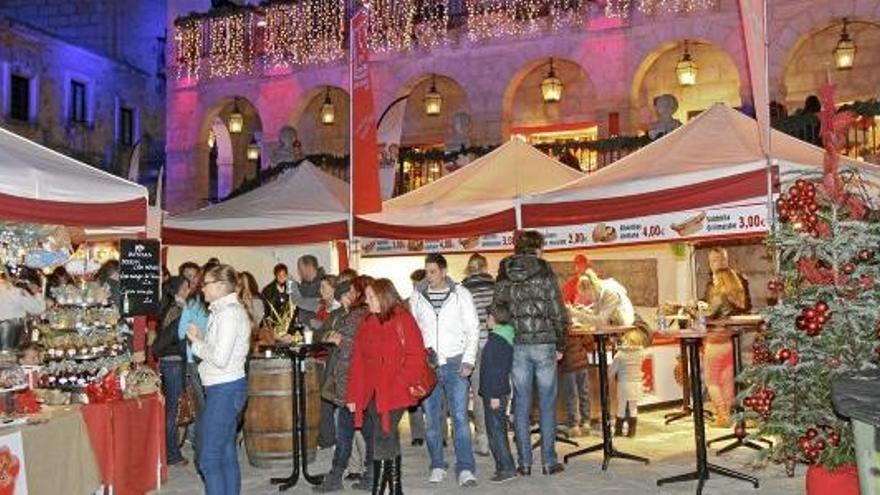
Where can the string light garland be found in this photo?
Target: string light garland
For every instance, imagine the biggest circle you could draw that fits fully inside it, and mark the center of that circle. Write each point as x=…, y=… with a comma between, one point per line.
x=306, y=32
x=188, y=46
x=226, y=51
x=651, y=8
x=488, y=19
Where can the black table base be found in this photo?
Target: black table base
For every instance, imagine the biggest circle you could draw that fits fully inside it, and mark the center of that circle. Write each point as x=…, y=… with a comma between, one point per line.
x=607, y=445
x=560, y=438
x=704, y=468
x=300, y=461
x=739, y=440
x=686, y=410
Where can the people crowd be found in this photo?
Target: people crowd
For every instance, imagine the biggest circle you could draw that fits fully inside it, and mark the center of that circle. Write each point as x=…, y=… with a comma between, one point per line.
x=490, y=344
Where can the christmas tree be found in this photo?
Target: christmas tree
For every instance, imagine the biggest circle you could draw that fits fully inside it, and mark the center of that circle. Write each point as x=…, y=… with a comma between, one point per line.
x=825, y=321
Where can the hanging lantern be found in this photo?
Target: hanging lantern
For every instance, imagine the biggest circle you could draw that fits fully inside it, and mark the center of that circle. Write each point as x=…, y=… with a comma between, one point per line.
x=433, y=99
x=686, y=68
x=212, y=138
x=253, y=149
x=236, y=120
x=845, y=51
x=328, y=111
x=551, y=86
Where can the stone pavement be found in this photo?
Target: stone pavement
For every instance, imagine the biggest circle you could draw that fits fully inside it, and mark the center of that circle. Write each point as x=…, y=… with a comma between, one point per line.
x=670, y=448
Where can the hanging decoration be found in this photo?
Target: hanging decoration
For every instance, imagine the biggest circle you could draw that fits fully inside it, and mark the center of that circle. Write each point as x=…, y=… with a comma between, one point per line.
x=305, y=32
x=188, y=42
x=33, y=245
x=651, y=8
x=226, y=50
x=489, y=19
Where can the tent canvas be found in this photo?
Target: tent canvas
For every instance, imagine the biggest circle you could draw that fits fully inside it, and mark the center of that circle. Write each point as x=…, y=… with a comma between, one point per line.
x=480, y=198
x=40, y=185
x=715, y=159
x=303, y=205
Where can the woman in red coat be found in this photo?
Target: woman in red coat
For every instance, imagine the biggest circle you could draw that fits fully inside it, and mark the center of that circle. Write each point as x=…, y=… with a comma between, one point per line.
x=389, y=356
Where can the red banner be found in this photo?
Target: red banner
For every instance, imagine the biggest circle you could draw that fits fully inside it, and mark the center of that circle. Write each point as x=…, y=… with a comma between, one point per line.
x=366, y=197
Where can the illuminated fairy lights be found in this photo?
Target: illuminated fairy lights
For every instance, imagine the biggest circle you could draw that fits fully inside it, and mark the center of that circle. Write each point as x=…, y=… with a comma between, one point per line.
x=489, y=19
x=622, y=8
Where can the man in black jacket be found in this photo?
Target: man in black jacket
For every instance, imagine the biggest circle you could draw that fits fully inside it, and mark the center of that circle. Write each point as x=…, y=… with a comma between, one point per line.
x=528, y=286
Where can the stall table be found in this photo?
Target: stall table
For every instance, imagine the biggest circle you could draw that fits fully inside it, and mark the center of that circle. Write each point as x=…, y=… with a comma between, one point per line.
x=693, y=340
x=128, y=438
x=607, y=446
x=58, y=455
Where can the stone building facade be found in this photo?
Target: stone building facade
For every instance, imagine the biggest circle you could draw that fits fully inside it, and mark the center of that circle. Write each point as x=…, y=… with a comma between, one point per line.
x=612, y=69
x=80, y=79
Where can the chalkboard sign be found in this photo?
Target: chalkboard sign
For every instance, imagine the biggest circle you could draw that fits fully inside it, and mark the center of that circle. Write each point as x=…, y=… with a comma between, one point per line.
x=139, y=275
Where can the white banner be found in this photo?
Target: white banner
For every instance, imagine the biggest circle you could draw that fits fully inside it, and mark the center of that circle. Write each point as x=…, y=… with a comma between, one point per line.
x=721, y=221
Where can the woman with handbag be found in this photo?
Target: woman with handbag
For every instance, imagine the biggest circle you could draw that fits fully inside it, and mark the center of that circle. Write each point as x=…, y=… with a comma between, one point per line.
x=341, y=328
x=170, y=349
x=388, y=374
x=223, y=350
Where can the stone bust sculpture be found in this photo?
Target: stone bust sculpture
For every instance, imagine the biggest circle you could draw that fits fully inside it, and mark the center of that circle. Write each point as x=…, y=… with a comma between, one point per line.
x=289, y=148
x=666, y=105
x=461, y=126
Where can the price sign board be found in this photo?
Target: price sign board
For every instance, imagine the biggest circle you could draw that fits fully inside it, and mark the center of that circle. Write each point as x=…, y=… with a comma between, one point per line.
x=139, y=276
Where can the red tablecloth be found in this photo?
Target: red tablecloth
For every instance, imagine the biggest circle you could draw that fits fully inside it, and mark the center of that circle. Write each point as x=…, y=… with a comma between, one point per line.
x=128, y=438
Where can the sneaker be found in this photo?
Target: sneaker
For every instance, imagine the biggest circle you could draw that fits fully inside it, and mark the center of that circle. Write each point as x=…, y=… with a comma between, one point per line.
x=502, y=477
x=524, y=471
x=466, y=479
x=417, y=442
x=437, y=476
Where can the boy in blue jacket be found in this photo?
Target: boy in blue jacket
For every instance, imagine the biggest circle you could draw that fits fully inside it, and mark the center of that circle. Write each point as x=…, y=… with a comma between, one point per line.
x=495, y=366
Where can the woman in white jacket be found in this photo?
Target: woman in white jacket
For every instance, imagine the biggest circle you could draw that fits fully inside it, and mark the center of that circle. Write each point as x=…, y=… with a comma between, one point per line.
x=223, y=350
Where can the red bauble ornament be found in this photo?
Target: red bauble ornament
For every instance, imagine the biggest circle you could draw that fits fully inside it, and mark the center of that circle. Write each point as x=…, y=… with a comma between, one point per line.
x=820, y=444
x=812, y=433
x=749, y=401
x=865, y=255
x=834, y=439
x=821, y=319
x=783, y=355
x=812, y=327
x=804, y=444
x=794, y=358
x=822, y=307
x=800, y=322
x=849, y=268
x=809, y=313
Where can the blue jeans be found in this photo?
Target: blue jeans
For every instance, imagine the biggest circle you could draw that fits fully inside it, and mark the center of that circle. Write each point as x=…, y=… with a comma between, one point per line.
x=577, y=397
x=172, y=387
x=218, y=456
x=345, y=439
x=535, y=364
x=454, y=387
x=496, y=431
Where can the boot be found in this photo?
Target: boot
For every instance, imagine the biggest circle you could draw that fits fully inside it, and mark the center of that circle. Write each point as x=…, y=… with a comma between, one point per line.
x=387, y=475
x=396, y=475
x=631, y=424
x=378, y=481
x=332, y=482
x=618, y=427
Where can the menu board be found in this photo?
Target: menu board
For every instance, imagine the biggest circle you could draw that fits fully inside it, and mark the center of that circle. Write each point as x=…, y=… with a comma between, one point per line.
x=139, y=275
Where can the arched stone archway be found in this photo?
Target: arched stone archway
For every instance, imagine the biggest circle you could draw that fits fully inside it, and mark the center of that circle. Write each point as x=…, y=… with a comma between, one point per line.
x=420, y=129
x=811, y=61
x=718, y=80
x=315, y=136
x=523, y=106
x=232, y=165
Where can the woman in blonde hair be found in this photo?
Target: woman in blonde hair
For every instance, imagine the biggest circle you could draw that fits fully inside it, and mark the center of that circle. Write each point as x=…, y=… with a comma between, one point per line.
x=726, y=297
x=223, y=349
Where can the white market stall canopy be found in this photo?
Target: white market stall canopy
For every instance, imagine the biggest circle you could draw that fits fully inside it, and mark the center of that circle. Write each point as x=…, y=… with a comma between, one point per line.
x=40, y=185
x=301, y=206
x=706, y=178
x=480, y=198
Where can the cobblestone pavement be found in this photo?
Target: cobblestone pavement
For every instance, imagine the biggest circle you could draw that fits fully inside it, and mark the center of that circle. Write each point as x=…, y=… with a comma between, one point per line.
x=670, y=448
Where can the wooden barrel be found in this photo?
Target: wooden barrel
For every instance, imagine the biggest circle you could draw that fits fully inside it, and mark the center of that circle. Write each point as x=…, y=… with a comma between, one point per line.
x=269, y=419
